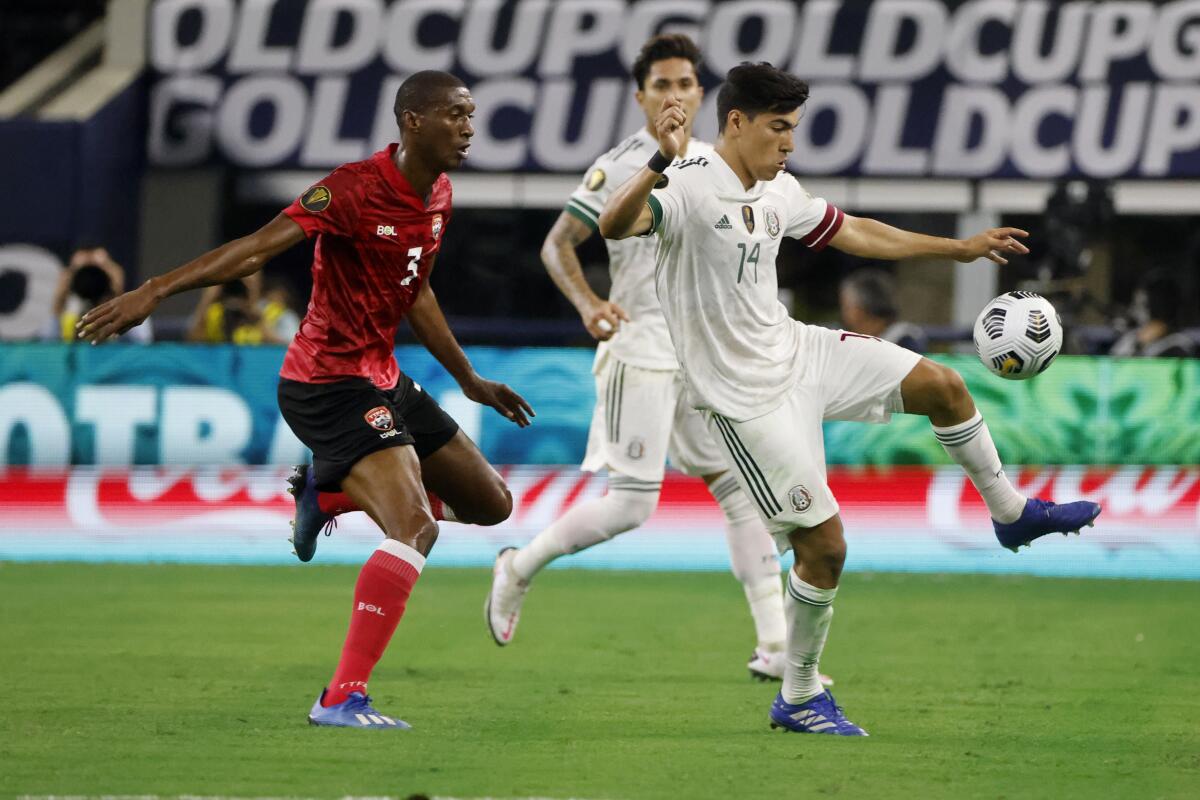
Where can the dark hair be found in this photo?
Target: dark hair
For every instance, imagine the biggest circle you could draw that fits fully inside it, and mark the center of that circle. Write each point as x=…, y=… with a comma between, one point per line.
x=875, y=291
x=91, y=283
x=1162, y=296
x=660, y=48
x=422, y=89
x=755, y=88
x=234, y=290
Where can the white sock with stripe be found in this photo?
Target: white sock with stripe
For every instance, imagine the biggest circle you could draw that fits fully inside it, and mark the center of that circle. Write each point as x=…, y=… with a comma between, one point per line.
x=809, y=611
x=754, y=561
x=627, y=504
x=970, y=445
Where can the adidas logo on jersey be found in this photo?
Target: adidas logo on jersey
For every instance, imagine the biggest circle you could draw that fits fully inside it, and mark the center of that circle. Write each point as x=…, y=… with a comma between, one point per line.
x=723, y=223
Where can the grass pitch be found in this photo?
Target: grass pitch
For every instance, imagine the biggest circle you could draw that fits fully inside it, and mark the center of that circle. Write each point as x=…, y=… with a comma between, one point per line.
x=172, y=680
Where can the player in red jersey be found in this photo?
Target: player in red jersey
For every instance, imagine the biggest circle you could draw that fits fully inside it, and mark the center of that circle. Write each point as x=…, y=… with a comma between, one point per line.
x=373, y=432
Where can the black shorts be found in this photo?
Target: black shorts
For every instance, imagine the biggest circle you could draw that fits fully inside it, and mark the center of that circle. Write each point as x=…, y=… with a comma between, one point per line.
x=344, y=421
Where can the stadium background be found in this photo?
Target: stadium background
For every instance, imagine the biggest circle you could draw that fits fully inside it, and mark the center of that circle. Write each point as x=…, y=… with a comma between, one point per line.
x=161, y=129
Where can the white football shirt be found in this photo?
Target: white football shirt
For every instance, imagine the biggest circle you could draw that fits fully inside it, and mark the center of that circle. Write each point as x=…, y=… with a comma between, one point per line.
x=715, y=273
x=643, y=341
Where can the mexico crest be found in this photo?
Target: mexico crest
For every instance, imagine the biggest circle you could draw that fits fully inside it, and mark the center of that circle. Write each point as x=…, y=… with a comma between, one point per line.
x=800, y=498
x=772, y=219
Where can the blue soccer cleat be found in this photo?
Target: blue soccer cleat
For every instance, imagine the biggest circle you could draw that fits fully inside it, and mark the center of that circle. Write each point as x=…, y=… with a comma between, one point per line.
x=353, y=712
x=309, y=519
x=821, y=714
x=1041, y=517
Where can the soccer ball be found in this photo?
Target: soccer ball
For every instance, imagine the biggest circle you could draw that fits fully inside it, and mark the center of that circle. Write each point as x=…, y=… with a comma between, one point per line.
x=1017, y=335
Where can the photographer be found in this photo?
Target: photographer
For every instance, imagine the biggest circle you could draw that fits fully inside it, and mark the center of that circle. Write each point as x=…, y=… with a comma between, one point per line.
x=91, y=278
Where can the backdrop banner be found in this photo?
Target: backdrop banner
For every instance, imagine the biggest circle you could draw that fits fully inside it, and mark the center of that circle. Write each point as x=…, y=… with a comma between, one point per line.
x=910, y=519
x=175, y=404
x=921, y=88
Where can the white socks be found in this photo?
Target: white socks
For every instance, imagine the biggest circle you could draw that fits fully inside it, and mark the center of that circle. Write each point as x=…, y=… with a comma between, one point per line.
x=970, y=445
x=809, y=611
x=627, y=504
x=754, y=561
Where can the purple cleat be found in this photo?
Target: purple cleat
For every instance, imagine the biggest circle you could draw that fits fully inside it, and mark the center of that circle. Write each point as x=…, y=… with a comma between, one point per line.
x=821, y=714
x=309, y=519
x=1041, y=517
x=355, y=711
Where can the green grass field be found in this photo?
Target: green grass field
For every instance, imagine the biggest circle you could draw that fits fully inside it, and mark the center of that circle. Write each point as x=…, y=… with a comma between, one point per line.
x=170, y=680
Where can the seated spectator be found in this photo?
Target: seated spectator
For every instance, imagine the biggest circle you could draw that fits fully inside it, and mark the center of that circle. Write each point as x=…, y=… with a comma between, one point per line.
x=1155, y=312
x=868, y=306
x=91, y=278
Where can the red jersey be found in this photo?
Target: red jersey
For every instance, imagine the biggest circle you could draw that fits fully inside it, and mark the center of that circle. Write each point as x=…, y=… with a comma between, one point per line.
x=375, y=245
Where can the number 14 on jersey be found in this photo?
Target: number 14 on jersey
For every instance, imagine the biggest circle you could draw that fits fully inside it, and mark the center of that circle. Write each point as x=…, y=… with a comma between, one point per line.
x=749, y=256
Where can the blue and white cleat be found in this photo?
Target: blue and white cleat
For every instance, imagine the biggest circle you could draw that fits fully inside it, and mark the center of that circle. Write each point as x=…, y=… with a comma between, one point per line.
x=309, y=519
x=821, y=714
x=1041, y=517
x=353, y=712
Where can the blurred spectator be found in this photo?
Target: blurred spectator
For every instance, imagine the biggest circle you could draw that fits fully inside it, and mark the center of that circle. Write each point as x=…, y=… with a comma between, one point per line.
x=91, y=278
x=1155, y=314
x=238, y=312
x=868, y=305
x=279, y=319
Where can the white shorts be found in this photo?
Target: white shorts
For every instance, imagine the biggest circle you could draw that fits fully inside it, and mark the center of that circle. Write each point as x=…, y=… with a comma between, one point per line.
x=641, y=418
x=779, y=458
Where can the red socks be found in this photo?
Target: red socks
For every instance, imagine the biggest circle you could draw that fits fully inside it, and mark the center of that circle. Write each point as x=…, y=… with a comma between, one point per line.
x=335, y=503
x=382, y=591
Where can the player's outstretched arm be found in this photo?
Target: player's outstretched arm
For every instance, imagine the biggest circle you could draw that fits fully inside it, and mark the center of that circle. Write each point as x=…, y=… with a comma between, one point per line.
x=601, y=317
x=230, y=261
x=869, y=238
x=429, y=325
x=626, y=213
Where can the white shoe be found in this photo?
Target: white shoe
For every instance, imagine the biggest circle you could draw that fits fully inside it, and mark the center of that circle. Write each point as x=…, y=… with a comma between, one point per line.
x=768, y=666
x=503, y=606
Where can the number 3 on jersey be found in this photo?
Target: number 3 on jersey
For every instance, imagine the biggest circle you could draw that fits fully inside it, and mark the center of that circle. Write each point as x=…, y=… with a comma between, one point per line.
x=748, y=258
x=414, y=264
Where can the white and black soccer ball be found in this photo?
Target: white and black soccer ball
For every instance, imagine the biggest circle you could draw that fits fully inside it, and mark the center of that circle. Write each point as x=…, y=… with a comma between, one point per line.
x=1017, y=335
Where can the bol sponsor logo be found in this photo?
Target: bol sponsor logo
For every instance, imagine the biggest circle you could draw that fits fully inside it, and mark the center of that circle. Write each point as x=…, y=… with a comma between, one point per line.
x=370, y=608
x=379, y=418
x=385, y=230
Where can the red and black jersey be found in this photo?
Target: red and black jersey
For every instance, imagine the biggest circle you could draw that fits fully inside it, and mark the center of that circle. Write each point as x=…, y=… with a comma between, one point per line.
x=375, y=245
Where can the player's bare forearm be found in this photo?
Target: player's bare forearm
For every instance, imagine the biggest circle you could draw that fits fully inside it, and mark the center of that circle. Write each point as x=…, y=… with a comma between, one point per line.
x=429, y=325
x=239, y=258
x=236, y=259
x=869, y=238
x=601, y=318
x=433, y=332
x=562, y=263
x=626, y=213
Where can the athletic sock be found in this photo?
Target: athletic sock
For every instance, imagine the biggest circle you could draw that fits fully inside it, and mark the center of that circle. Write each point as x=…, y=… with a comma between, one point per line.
x=970, y=445
x=754, y=561
x=335, y=503
x=809, y=611
x=765, y=599
x=382, y=591
x=627, y=504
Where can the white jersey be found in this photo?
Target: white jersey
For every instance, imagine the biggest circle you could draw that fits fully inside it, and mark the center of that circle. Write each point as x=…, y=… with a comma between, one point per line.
x=643, y=341
x=736, y=343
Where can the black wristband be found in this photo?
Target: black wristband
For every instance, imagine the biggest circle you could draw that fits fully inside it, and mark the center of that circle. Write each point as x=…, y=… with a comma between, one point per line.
x=659, y=163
